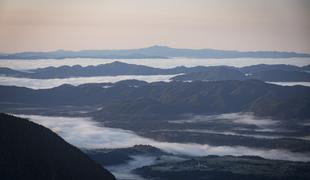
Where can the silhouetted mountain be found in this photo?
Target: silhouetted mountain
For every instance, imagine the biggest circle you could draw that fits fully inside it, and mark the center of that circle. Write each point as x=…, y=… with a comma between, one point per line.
x=150, y=100
x=228, y=167
x=264, y=72
x=281, y=76
x=233, y=74
x=62, y=54
x=30, y=151
x=267, y=67
x=12, y=73
x=212, y=74
x=152, y=52
x=165, y=100
x=306, y=68
x=285, y=73
x=110, y=69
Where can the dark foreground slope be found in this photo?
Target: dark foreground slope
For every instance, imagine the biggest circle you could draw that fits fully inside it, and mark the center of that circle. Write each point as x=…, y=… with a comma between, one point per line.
x=228, y=167
x=30, y=151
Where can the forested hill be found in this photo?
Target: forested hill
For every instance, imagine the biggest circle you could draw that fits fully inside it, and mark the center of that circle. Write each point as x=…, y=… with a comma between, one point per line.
x=32, y=152
x=171, y=98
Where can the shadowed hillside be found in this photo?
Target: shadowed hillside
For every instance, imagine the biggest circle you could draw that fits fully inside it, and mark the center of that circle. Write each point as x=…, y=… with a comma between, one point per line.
x=30, y=151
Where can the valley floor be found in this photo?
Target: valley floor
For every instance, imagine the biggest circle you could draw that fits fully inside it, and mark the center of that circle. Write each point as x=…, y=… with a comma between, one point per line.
x=183, y=143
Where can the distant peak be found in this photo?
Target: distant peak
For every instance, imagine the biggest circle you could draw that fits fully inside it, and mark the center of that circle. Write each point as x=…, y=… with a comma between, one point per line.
x=158, y=47
x=60, y=50
x=116, y=63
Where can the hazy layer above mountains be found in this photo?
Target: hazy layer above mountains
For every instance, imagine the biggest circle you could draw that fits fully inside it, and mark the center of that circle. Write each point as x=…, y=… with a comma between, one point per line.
x=152, y=52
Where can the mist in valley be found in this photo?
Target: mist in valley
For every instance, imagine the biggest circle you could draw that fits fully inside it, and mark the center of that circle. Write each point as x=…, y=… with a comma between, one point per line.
x=88, y=134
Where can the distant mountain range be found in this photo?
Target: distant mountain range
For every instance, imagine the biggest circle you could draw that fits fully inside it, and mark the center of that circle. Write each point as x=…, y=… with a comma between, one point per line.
x=148, y=109
x=279, y=72
x=136, y=100
x=32, y=152
x=152, y=52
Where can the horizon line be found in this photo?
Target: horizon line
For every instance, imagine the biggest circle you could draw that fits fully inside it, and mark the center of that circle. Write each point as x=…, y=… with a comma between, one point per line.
x=152, y=46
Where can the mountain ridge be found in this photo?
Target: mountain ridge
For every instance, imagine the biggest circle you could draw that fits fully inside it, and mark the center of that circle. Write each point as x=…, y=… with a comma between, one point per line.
x=152, y=98
x=151, y=52
x=273, y=73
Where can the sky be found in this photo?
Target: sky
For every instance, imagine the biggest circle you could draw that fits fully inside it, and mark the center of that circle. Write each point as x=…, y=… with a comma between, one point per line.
x=46, y=25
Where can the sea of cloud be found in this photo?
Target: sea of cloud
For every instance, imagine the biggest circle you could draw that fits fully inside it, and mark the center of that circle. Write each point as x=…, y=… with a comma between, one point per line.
x=50, y=83
x=160, y=63
x=241, y=118
x=86, y=133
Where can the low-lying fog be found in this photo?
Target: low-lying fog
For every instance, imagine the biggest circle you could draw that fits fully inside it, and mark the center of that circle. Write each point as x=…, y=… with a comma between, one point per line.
x=50, y=83
x=124, y=171
x=239, y=124
x=241, y=118
x=85, y=133
x=160, y=63
x=291, y=83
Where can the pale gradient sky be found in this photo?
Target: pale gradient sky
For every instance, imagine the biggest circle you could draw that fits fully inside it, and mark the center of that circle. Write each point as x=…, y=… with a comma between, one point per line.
x=43, y=25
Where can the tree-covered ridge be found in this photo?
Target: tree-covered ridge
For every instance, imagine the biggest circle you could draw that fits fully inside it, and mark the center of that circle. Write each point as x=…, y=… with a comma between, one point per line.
x=30, y=151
